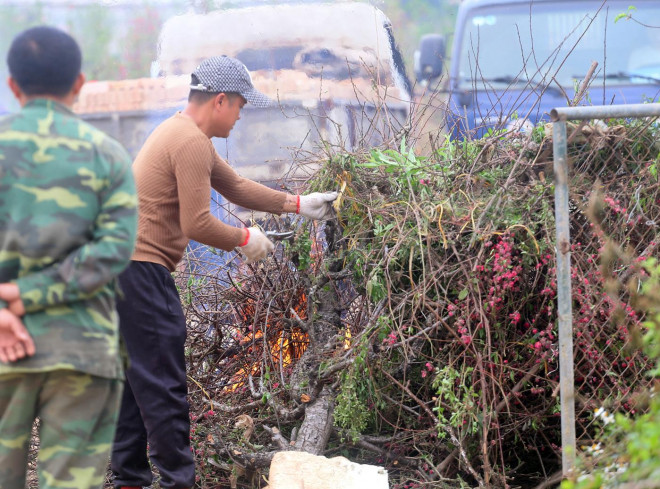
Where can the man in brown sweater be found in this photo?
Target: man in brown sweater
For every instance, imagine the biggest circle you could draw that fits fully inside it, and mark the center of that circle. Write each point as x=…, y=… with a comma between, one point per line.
x=174, y=173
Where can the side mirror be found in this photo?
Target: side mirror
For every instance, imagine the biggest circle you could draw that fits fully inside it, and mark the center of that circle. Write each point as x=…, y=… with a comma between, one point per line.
x=430, y=57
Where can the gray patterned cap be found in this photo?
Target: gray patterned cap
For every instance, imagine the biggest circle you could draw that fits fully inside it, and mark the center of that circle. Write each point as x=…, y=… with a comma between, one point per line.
x=225, y=74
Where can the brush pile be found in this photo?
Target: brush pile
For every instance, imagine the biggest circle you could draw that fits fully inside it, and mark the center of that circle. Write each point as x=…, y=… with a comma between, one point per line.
x=442, y=359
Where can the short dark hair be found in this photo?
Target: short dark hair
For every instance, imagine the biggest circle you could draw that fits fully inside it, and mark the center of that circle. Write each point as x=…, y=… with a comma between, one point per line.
x=44, y=61
x=200, y=97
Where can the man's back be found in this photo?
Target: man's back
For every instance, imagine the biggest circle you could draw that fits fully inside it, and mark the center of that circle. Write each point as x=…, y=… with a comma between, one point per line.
x=65, y=189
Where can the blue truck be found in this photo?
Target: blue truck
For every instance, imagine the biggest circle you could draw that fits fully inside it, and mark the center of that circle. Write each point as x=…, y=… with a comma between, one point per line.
x=512, y=61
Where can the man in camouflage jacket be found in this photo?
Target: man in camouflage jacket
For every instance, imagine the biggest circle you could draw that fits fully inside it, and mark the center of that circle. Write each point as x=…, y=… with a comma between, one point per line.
x=67, y=229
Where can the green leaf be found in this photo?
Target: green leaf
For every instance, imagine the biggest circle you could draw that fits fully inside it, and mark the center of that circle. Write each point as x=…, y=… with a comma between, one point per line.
x=625, y=15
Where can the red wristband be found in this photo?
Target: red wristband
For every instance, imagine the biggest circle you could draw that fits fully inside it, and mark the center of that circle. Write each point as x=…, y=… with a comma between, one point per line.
x=247, y=237
x=298, y=204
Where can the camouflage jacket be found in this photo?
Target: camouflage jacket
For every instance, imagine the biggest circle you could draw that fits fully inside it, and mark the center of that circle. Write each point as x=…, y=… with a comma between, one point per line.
x=68, y=218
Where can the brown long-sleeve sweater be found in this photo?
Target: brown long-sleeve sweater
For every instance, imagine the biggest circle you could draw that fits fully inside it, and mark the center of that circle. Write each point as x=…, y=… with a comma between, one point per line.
x=174, y=172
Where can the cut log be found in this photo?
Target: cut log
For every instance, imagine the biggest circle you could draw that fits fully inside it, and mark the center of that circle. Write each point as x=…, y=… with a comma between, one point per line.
x=315, y=431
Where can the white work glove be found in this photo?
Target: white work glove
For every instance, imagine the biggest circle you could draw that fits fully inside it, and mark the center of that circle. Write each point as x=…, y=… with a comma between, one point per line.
x=257, y=246
x=317, y=205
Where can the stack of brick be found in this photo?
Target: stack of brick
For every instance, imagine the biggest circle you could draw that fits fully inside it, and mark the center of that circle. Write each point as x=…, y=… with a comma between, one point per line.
x=142, y=94
x=132, y=95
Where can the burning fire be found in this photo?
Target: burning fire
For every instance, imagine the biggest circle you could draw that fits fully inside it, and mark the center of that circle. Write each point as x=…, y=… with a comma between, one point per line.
x=267, y=337
x=278, y=344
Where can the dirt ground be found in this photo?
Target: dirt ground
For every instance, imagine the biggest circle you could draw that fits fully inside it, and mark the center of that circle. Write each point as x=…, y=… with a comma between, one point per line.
x=32, y=482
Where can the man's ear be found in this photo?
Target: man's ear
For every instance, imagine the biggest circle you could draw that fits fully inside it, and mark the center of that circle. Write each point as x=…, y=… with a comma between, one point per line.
x=220, y=99
x=15, y=89
x=78, y=84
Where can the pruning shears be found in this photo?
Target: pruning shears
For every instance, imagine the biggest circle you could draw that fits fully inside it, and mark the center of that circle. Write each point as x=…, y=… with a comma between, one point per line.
x=279, y=236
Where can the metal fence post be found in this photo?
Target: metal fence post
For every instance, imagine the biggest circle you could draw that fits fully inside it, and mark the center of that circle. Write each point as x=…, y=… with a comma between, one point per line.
x=564, y=306
x=563, y=250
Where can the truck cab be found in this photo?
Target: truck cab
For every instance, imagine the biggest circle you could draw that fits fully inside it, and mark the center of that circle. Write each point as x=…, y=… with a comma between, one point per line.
x=512, y=61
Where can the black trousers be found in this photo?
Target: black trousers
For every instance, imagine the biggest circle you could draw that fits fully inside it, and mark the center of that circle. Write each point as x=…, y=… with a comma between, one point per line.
x=154, y=406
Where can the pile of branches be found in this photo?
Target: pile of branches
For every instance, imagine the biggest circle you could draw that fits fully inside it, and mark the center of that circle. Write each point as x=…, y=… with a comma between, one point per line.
x=442, y=356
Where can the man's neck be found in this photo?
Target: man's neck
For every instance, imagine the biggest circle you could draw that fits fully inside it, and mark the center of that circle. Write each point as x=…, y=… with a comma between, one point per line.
x=66, y=100
x=199, y=115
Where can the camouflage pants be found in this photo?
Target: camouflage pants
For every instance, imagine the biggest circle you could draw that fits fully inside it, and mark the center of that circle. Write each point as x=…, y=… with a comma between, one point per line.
x=77, y=413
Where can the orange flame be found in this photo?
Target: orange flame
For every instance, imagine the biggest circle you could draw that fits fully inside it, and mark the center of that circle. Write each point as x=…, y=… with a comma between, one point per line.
x=284, y=347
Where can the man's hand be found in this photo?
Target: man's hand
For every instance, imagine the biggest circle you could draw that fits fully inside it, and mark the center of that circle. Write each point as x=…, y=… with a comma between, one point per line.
x=15, y=341
x=317, y=205
x=257, y=247
x=10, y=293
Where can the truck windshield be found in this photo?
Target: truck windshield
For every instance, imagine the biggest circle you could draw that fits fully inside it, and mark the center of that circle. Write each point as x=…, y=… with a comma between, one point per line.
x=513, y=43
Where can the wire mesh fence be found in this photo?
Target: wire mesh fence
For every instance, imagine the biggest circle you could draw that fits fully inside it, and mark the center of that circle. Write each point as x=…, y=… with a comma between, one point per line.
x=623, y=230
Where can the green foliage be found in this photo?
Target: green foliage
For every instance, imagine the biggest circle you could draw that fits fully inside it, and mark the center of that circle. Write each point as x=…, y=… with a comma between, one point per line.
x=456, y=401
x=412, y=19
x=302, y=247
x=91, y=23
x=352, y=411
x=117, y=42
x=376, y=284
x=625, y=15
x=193, y=287
x=650, y=300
